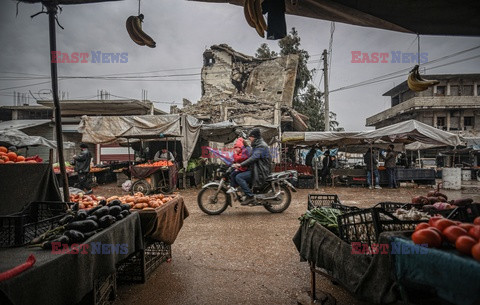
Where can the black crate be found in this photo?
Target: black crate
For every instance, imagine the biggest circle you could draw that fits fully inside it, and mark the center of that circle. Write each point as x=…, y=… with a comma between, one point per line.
x=306, y=182
x=104, y=291
x=344, y=208
x=466, y=213
x=322, y=200
x=35, y=219
x=393, y=206
x=140, y=265
x=366, y=225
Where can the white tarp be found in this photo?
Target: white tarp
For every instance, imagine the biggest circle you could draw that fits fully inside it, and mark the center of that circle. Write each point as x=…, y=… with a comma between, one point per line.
x=108, y=129
x=20, y=139
x=227, y=131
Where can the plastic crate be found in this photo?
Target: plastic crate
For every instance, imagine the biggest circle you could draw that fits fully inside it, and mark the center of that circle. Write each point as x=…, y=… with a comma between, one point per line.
x=366, y=225
x=35, y=219
x=322, y=200
x=465, y=213
x=104, y=291
x=393, y=206
x=140, y=265
x=344, y=208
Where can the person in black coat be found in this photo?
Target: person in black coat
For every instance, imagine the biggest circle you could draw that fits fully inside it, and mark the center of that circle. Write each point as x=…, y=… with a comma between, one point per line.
x=82, y=167
x=328, y=163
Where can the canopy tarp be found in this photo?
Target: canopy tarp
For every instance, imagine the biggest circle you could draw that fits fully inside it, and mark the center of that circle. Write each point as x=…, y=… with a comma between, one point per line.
x=108, y=129
x=20, y=139
x=227, y=131
x=404, y=132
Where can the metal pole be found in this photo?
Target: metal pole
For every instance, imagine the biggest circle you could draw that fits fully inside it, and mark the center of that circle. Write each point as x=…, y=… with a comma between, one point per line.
x=52, y=12
x=325, y=93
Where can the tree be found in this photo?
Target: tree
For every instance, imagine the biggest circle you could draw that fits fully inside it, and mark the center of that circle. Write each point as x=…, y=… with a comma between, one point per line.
x=307, y=99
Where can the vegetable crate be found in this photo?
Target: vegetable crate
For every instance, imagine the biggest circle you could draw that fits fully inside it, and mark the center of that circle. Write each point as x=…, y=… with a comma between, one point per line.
x=104, y=291
x=465, y=213
x=322, y=200
x=140, y=265
x=35, y=219
x=344, y=208
x=366, y=225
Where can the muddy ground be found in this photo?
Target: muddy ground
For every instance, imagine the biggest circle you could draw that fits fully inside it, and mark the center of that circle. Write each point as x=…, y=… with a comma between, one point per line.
x=246, y=255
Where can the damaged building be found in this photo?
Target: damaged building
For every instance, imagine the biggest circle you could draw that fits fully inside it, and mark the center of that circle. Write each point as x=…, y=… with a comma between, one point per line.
x=247, y=90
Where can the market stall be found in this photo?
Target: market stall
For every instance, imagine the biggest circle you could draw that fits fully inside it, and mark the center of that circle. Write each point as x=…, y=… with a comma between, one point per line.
x=64, y=278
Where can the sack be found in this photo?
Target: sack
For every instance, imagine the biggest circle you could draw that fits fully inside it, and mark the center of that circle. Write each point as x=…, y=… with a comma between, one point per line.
x=127, y=185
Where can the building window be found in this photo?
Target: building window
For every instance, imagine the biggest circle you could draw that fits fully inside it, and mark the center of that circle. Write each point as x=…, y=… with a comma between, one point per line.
x=441, y=90
x=467, y=90
x=454, y=91
x=468, y=121
x=440, y=121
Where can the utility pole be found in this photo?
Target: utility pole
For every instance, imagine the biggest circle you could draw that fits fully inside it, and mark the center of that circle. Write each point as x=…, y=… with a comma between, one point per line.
x=325, y=93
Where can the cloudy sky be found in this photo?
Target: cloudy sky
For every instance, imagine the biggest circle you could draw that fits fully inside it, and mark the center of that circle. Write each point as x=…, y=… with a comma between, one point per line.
x=183, y=30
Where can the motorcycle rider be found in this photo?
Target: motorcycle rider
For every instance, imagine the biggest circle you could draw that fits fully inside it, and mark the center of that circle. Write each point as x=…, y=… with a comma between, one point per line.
x=258, y=165
x=240, y=154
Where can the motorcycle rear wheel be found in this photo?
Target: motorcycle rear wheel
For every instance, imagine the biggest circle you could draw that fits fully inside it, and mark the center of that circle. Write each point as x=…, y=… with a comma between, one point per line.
x=286, y=200
x=213, y=205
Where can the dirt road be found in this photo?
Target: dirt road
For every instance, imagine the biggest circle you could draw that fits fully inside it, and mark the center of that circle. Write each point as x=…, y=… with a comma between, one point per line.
x=244, y=256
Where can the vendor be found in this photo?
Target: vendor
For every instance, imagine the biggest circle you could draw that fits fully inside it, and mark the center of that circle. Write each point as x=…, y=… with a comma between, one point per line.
x=164, y=154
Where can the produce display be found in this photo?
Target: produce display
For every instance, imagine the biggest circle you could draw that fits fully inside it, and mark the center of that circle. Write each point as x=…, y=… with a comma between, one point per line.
x=160, y=163
x=68, y=168
x=440, y=232
x=412, y=214
x=10, y=157
x=79, y=225
x=138, y=201
x=325, y=216
x=98, y=169
x=436, y=201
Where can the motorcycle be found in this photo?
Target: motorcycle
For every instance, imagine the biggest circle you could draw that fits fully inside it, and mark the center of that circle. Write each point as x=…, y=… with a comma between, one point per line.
x=274, y=195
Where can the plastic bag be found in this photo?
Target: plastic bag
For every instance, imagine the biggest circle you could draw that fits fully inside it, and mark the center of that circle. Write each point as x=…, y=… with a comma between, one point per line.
x=127, y=185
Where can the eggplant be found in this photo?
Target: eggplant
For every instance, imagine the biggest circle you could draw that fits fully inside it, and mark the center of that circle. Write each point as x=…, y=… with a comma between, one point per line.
x=62, y=240
x=101, y=212
x=102, y=202
x=92, y=217
x=68, y=218
x=81, y=215
x=82, y=226
x=87, y=235
x=114, y=203
x=106, y=221
x=74, y=236
x=119, y=217
x=125, y=213
x=125, y=207
x=115, y=210
x=92, y=210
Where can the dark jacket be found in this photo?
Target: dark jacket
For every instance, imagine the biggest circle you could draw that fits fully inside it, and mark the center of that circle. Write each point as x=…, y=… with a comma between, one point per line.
x=327, y=163
x=259, y=162
x=390, y=159
x=310, y=156
x=368, y=158
x=82, y=161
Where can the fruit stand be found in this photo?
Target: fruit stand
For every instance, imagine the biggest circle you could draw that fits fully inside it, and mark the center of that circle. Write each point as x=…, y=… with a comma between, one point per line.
x=160, y=176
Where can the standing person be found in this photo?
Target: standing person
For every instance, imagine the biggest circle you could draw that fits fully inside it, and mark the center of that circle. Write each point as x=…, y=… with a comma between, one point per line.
x=259, y=166
x=328, y=163
x=310, y=156
x=240, y=154
x=391, y=165
x=82, y=167
x=164, y=154
x=371, y=162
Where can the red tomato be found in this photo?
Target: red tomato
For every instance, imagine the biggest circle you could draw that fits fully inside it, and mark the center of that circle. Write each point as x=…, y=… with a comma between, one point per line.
x=476, y=221
x=426, y=236
x=434, y=219
x=475, y=232
x=464, y=244
x=466, y=226
x=476, y=252
x=442, y=224
x=453, y=232
x=421, y=226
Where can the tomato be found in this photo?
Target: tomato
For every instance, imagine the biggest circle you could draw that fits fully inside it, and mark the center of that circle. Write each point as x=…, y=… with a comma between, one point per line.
x=421, y=226
x=475, y=232
x=464, y=244
x=466, y=226
x=453, y=232
x=427, y=236
x=476, y=221
x=442, y=224
x=434, y=219
x=476, y=252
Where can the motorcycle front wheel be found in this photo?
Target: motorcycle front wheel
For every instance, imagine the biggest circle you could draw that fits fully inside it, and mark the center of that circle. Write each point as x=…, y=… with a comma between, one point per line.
x=281, y=205
x=210, y=203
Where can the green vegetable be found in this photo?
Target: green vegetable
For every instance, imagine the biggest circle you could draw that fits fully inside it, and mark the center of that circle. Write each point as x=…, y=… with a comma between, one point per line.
x=325, y=216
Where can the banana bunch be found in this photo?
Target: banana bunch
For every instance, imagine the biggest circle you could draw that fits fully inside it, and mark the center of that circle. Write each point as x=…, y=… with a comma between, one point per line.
x=252, y=9
x=134, y=29
x=417, y=83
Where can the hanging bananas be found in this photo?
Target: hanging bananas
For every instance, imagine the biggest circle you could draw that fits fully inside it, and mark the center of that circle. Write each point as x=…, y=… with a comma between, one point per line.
x=134, y=29
x=417, y=83
x=252, y=9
